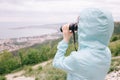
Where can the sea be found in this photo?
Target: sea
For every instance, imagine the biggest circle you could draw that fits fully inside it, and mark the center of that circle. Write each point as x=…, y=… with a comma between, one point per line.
x=43, y=26
x=17, y=30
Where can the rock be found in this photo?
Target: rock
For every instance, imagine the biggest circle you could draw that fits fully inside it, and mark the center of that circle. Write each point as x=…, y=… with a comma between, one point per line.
x=115, y=75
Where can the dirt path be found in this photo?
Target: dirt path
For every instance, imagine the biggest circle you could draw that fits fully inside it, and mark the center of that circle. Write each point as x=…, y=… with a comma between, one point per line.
x=19, y=75
x=118, y=57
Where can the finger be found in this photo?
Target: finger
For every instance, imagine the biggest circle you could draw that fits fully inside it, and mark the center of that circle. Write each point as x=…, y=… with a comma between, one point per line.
x=65, y=27
x=70, y=31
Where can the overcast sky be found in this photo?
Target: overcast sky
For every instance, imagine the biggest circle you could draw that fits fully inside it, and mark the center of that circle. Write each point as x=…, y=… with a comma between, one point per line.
x=51, y=11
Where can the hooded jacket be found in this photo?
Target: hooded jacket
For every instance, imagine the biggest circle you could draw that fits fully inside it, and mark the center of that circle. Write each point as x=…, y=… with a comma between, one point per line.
x=93, y=58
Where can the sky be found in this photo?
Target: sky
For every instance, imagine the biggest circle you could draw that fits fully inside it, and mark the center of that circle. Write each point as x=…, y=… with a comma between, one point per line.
x=51, y=11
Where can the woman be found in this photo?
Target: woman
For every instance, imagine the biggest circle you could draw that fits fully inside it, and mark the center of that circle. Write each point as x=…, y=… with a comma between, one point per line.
x=93, y=58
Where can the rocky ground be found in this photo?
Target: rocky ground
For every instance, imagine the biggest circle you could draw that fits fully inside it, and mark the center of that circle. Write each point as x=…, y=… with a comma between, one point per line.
x=115, y=75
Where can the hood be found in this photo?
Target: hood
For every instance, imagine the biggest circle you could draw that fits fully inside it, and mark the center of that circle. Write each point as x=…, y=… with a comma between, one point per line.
x=95, y=28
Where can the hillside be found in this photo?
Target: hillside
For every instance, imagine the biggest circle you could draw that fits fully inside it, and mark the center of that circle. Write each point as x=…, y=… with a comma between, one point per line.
x=27, y=57
x=117, y=28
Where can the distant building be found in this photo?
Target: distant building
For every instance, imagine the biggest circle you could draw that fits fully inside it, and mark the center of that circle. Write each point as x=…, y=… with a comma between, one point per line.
x=21, y=40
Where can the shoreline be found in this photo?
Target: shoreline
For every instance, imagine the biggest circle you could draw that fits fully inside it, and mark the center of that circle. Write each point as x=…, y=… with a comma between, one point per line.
x=14, y=44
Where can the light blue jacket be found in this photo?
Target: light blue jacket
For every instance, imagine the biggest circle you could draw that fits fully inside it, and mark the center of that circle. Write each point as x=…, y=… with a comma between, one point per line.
x=93, y=58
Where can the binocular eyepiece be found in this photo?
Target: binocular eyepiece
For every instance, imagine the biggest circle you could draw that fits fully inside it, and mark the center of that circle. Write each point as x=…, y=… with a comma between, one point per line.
x=72, y=27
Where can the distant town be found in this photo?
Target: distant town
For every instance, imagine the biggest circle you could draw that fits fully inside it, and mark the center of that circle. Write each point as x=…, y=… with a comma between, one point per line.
x=14, y=44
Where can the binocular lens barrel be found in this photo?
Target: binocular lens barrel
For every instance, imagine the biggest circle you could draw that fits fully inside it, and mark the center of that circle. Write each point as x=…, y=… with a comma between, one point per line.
x=72, y=27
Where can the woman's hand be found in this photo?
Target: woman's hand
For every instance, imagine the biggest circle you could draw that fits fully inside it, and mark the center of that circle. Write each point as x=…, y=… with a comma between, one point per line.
x=66, y=33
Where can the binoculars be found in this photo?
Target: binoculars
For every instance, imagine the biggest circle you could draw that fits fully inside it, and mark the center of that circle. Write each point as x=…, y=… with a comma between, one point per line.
x=72, y=27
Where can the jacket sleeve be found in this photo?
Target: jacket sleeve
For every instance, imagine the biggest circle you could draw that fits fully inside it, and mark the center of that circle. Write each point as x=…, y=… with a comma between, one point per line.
x=60, y=61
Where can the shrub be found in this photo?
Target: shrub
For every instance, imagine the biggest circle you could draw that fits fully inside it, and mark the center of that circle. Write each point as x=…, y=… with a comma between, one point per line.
x=36, y=78
x=40, y=68
x=38, y=53
x=117, y=28
x=115, y=65
x=115, y=38
x=115, y=48
x=30, y=56
x=2, y=78
x=28, y=69
x=8, y=62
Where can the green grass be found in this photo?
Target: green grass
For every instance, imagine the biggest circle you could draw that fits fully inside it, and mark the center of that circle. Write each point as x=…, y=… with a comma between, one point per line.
x=115, y=65
x=115, y=48
x=47, y=73
x=2, y=78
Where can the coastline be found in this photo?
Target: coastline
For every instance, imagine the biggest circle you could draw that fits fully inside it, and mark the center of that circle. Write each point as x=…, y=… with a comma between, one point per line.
x=14, y=44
